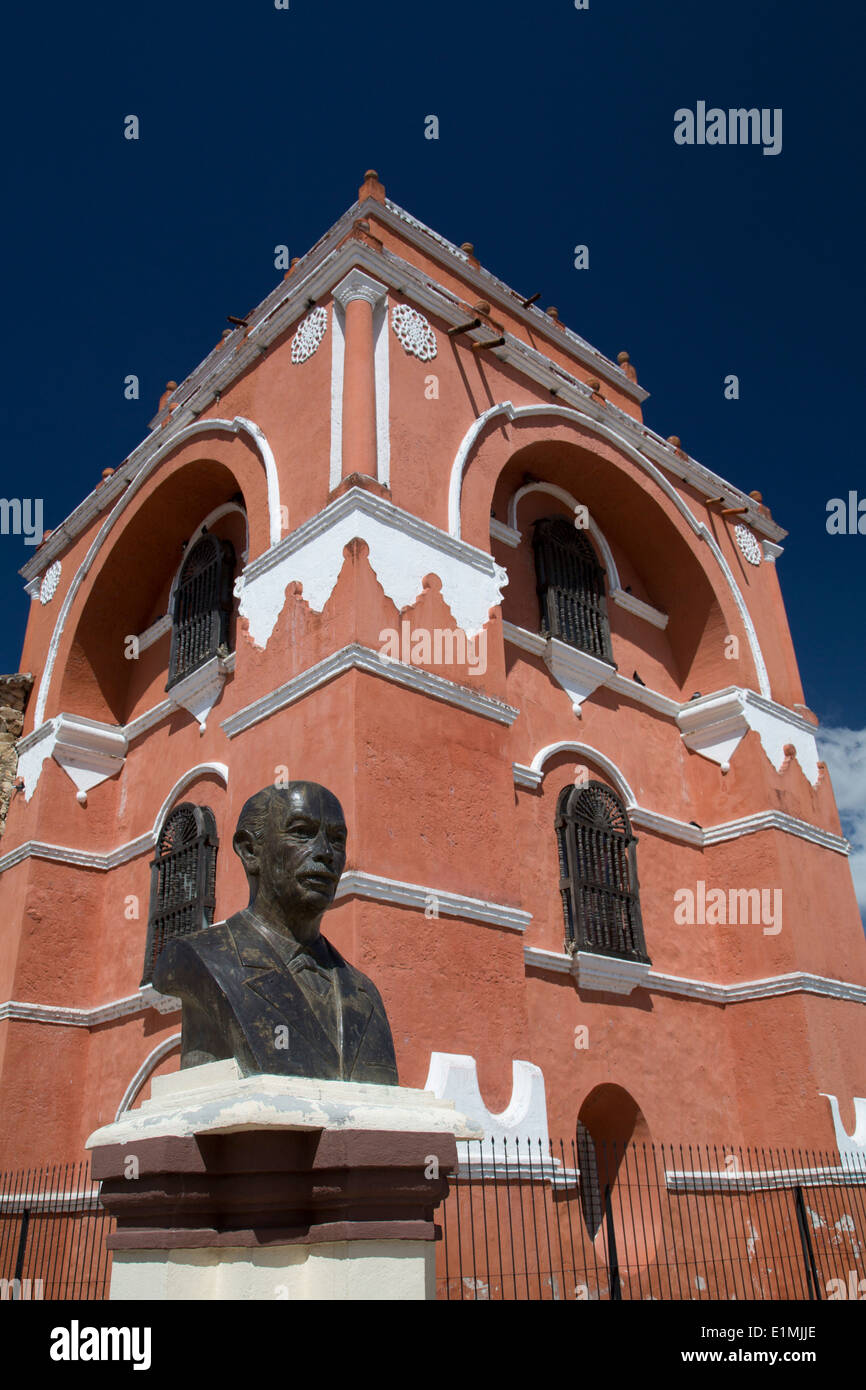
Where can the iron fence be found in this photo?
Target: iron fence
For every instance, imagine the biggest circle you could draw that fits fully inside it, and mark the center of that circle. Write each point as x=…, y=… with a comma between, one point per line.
x=525, y=1221
x=52, y=1234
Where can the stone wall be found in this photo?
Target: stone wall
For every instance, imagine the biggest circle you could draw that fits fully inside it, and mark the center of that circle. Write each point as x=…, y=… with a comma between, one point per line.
x=14, y=693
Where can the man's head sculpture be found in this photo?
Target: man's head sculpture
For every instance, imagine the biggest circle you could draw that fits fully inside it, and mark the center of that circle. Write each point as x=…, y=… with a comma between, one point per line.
x=292, y=843
x=265, y=986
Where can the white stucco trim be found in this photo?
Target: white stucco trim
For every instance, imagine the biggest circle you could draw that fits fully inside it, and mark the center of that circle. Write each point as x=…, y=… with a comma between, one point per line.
x=154, y=632
x=614, y=434
x=712, y=725
x=532, y=777
x=209, y=426
x=390, y=890
x=106, y=860
x=150, y=1063
x=338, y=356
x=454, y=1076
x=60, y=1015
x=186, y=780
x=709, y=991
x=358, y=658
x=852, y=1147
x=582, y=750
x=403, y=549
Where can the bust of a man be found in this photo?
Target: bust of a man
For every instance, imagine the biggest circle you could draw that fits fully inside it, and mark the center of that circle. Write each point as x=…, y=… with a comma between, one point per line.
x=265, y=986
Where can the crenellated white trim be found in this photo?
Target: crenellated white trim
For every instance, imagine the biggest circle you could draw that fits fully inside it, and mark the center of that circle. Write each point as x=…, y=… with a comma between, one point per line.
x=403, y=550
x=358, y=658
x=639, y=450
x=707, y=991
x=446, y=904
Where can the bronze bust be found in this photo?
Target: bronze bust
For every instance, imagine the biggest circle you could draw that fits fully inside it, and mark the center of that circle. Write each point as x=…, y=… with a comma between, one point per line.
x=264, y=986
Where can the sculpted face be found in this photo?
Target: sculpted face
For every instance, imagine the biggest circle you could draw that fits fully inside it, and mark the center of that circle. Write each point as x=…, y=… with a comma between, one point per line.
x=299, y=858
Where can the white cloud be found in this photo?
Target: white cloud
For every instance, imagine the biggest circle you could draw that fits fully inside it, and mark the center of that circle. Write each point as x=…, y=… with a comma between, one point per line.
x=844, y=752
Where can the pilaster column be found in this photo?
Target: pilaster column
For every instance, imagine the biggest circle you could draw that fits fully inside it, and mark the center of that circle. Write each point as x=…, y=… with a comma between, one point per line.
x=358, y=294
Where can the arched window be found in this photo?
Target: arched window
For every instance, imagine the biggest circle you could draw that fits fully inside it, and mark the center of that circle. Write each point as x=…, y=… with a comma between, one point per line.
x=202, y=606
x=182, y=881
x=598, y=874
x=570, y=584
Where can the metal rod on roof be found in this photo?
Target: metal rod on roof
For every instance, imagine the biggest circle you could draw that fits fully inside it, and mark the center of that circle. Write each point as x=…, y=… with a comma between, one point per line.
x=491, y=343
x=464, y=328
x=531, y=300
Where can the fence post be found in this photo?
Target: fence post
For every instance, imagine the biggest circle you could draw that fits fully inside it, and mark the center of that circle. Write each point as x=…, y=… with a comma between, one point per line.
x=19, y=1258
x=612, y=1257
x=806, y=1243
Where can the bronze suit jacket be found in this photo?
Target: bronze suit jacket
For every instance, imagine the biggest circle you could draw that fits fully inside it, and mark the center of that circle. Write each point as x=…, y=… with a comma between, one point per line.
x=241, y=999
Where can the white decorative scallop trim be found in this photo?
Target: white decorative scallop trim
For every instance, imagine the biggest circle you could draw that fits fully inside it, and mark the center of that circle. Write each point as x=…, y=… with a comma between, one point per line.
x=403, y=550
x=414, y=332
x=712, y=725
x=310, y=333
x=50, y=580
x=748, y=543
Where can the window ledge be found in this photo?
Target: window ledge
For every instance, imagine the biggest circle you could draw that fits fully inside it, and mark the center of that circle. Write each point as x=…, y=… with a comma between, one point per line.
x=610, y=974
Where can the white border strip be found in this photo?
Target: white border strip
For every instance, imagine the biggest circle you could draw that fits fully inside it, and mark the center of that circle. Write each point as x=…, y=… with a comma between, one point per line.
x=391, y=890
x=709, y=992
x=358, y=658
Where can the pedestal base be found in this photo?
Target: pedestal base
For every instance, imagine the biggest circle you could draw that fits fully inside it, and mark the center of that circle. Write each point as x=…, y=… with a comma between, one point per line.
x=271, y=1187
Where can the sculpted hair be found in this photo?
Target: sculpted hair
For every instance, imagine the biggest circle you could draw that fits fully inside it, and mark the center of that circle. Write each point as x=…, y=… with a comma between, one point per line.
x=254, y=815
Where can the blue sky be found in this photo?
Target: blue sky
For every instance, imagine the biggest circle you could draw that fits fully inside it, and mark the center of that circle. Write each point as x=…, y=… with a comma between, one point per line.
x=556, y=128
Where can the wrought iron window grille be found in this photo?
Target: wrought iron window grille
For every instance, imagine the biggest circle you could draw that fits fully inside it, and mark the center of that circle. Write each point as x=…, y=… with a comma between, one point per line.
x=570, y=583
x=183, y=879
x=598, y=878
x=202, y=606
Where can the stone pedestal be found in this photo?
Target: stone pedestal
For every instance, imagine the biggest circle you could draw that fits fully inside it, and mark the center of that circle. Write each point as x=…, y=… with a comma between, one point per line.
x=228, y=1186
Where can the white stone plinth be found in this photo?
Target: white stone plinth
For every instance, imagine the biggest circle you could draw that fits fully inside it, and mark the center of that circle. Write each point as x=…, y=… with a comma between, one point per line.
x=375, y=1144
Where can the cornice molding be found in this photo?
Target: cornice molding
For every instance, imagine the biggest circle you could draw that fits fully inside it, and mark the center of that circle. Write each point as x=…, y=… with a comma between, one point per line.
x=708, y=991
x=106, y=860
x=358, y=658
x=61, y=1015
x=446, y=904
x=531, y=778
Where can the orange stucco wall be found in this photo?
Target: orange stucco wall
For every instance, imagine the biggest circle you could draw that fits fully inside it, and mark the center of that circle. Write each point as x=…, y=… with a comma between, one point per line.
x=428, y=787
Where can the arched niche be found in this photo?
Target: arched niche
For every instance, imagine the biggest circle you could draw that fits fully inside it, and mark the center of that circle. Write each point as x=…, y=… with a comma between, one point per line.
x=657, y=557
x=129, y=588
x=618, y=1178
